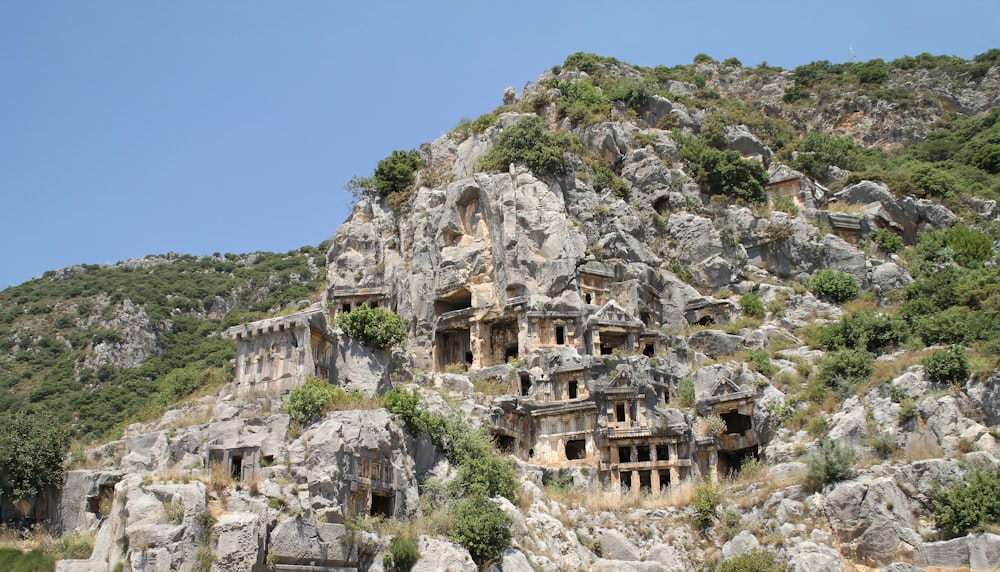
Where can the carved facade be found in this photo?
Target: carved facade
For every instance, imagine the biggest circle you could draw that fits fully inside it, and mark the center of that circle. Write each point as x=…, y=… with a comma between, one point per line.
x=278, y=354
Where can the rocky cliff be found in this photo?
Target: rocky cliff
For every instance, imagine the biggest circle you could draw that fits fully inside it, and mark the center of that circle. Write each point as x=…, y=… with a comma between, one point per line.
x=691, y=353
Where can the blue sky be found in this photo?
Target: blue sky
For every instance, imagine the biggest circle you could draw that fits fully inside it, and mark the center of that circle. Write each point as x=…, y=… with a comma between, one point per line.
x=135, y=128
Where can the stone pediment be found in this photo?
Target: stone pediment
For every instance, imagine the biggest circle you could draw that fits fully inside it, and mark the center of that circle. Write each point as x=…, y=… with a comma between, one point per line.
x=612, y=314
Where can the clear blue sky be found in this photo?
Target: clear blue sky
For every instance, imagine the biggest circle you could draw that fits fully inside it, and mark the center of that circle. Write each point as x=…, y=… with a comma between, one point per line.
x=131, y=127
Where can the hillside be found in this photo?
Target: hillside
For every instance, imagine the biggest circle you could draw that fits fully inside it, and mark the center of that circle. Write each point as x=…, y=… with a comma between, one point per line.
x=98, y=346
x=695, y=317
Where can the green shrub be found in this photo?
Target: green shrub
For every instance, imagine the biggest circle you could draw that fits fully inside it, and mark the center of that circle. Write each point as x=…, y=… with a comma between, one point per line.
x=760, y=361
x=13, y=560
x=481, y=527
x=947, y=366
x=843, y=369
x=785, y=205
x=795, y=93
x=377, y=328
x=487, y=475
x=530, y=143
x=872, y=71
x=751, y=306
x=402, y=555
x=706, y=499
x=817, y=425
x=606, y=179
x=907, y=410
x=756, y=560
x=888, y=241
x=685, y=392
x=309, y=401
x=723, y=172
x=834, y=285
x=864, y=330
x=971, y=504
x=831, y=463
x=32, y=454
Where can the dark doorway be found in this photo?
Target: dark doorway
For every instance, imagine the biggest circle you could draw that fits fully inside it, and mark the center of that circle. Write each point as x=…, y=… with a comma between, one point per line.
x=505, y=443
x=664, y=479
x=624, y=454
x=645, y=480
x=662, y=453
x=236, y=468
x=560, y=335
x=626, y=479
x=572, y=389
x=576, y=449
x=642, y=454
x=648, y=350
x=525, y=384
x=510, y=353
x=620, y=412
x=381, y=505
x=736, y=423
x=731, y=462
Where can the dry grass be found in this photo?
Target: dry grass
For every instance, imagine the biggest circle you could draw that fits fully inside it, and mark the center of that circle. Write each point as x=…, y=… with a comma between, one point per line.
x=601, y=498
x=845, y=208
x=219, y=478
x=886, y=371
x=491, y=386
x=921, y=451
x=69, y=546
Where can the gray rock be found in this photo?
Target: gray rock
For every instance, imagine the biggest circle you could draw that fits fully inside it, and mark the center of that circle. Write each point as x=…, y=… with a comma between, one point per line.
x=872, y=519
x=438, y=555
x=240, y=538
x=715, y=343
x=513, y=560
x=739, y=138
x=360, y=368
x=616, y=546
x=742, y=543
x=811, y=557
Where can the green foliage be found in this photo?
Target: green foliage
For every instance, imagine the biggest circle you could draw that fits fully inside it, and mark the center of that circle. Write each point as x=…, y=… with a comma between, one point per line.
x=309, y=401
x=530, y=143
x=589, y=63
x=907, y=410
x=685, y=392
x=467, y=127
x=606, y=179
x=725, y=172
x=971, y=504
x=864, y=330
x=32, y=452
x=176, y=294
x=755, y=560
x=703, y=59
x=377, y=328
x=887, y=240
x=830, y=463
x=846, y=368
x=487, y=475
x=872, y=71
x=480, y=526
x=949, y=366
x=834, y=285
x=706, y=499
x=795, y=93
x=13, y=560
x=785, y=205
x=760, y=361
x=402, y=555
x=396, y=172
x=751, y=306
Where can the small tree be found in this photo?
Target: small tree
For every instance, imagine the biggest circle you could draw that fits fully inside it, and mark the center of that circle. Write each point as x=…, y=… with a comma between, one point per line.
x=972, y=503
x=309, y=401
x=947, y=366
x=831, y=463
x=377, y=328
x=751, y=306
x=834, y=284
x=705, y=500
x=32, y=452
x=480, y=526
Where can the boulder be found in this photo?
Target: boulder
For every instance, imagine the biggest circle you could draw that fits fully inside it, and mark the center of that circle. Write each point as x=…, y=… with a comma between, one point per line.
x=715, y=343
x=438, y=554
